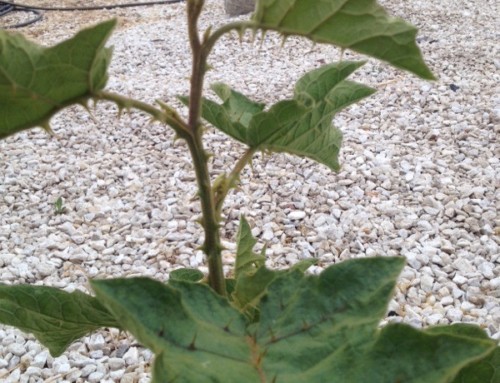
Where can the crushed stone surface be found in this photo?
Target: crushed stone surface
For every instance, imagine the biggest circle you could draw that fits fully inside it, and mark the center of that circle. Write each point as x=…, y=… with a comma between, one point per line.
x=420, y=177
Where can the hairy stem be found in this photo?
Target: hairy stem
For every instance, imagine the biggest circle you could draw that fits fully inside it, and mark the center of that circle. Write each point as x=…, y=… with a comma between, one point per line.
x=165, y=115
x=211, y=246
x=231, y=180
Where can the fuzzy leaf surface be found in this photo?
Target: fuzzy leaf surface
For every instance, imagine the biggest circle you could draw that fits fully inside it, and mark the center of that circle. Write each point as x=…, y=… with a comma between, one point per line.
x=361, y=25
x=36, y=82
x=55, y=317
x=186, y=275
x=196, y=335
x=485, y=370
x=309, y=328
x=301, y=125
x=421, y=356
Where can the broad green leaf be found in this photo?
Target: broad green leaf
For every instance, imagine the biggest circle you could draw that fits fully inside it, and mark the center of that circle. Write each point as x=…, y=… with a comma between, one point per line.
x=55, y=317
x=186, y=275
x=233, y=115
x=300, y=126
x=310, y=329
x=37, y=82
x=303, y=125
x=486, y=370
x=246, y=260
x=356, y=291
x=331, y=323
x=196, y=335
x=360, y=25
x=422, y=357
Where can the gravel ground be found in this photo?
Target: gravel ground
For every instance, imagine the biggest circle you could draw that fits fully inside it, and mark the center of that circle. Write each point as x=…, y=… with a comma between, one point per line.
x=420, y=178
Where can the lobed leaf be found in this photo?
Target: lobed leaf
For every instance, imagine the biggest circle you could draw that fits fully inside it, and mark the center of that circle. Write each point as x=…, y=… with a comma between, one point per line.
x=252, y=277
x=36, y=82
x=422, y=356
x=485, y=370
x=196, y=335
x=310, y=329
x=300, y=126
x=360, y=25
x=246, y=260
x=55, y=317
x=250, y=287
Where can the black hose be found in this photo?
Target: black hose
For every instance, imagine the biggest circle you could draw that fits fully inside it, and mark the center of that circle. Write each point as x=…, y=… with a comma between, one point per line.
x=5, y=8
x=8, y=7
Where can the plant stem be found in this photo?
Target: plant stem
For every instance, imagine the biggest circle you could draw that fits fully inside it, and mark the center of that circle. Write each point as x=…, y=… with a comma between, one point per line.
x=211, y=246
x=165, y=115
x=192, y=132
x=232, y=178
x=194, y=8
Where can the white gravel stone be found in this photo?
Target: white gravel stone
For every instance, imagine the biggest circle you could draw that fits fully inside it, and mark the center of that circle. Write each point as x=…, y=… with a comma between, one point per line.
x=267, y=235
x=131, y=357
x=446, y=301
x=95, y=377
x=426, y=282
x=33, y=371
x=40, y=359
x=116, y=374
x=459, y=279
x=454, y=314
x=16, y=349
x=116, y=363
x=495, y=283
x=88, y=369
x=61, y=365
x=96, y=342
x=297, y=215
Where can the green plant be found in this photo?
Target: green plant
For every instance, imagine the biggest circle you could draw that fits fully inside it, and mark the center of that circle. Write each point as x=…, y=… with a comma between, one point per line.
x=260, y=325
x=59, y=207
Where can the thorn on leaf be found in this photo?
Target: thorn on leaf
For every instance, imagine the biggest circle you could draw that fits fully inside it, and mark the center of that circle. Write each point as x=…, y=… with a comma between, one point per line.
x=283, y=41
x=273, y=337
x=161, y=332
x=192, y=346
x=226, y=327
x=342, y=50
x=241, y=33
